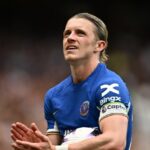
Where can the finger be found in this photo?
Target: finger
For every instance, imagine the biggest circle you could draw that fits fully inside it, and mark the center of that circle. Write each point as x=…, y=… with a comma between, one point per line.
x=27, y=144
x=38, y=133
x=34, y=127
x=22, y=130
x=13, y=137
x=13, y=124
x=16, y=134
x=17, y=147
x=19, y=130
x=22, y=127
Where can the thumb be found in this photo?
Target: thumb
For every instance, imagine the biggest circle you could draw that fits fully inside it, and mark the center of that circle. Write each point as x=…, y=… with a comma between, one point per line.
x=34, y=127
x=44, y=138
x=40, y=135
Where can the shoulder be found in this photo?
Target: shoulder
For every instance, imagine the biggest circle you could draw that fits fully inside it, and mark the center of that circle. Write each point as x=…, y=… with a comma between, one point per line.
x=107, y=76
x=112, y=94
x=109, y=83
x=58, y=88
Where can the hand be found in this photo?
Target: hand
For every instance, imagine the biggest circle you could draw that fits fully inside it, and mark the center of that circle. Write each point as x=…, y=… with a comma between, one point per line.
x=44, y=143
x=20, y=131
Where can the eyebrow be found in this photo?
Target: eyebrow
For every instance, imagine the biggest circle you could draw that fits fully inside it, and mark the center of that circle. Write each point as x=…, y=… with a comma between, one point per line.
x=76, y=30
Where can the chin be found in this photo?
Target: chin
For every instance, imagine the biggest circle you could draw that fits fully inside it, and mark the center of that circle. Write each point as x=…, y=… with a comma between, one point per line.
x=70, y=58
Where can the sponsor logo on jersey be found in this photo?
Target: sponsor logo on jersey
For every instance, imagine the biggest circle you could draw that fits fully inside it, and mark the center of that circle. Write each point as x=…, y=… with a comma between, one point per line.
x=84, y=109
x=79, y=134
x=109, y=88
x=113, y=108
x=110, y=99
x=67, y=132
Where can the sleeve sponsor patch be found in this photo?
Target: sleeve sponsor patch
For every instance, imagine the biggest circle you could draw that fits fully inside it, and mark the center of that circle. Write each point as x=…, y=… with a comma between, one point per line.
x=106, y=100
x=112, y=108
x=109, y=88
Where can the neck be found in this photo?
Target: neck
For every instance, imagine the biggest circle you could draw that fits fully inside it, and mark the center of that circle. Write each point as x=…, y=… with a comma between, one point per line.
x=81, y=71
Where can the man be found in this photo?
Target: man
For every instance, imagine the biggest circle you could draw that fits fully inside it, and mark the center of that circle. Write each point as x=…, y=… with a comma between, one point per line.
x=91, y=109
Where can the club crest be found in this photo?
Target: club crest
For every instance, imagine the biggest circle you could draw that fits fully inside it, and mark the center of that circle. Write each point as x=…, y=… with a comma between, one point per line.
x=84, y=109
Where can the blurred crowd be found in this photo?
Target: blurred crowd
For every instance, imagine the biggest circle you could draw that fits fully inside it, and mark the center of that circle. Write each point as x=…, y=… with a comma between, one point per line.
x=32, y=62
x=33, y=65
x=25, y=76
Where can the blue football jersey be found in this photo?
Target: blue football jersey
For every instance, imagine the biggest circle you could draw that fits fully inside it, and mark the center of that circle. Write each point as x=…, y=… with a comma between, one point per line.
x=69, y=106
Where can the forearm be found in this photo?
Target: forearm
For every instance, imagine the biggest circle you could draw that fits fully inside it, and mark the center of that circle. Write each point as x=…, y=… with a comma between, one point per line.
x=55, y=139
x=101, y=142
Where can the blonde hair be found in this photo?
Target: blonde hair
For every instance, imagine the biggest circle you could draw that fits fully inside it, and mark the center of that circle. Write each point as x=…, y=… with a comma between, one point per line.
x=101, y=31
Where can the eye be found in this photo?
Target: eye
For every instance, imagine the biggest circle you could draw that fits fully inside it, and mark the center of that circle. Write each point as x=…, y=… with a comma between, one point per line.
x=80, y=32
x=66, y=33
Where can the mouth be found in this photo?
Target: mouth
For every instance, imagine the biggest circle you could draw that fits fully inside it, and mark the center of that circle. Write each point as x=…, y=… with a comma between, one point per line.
x=71, y=48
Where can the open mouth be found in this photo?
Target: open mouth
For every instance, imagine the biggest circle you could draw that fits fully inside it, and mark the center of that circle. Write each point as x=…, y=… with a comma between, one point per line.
x=71, y=48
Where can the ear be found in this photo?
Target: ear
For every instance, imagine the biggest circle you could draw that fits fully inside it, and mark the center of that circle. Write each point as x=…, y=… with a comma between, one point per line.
x=100, y=45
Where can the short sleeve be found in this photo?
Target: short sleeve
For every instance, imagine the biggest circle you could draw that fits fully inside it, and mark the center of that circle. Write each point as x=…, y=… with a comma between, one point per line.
x=49, y=114
x=112, y=98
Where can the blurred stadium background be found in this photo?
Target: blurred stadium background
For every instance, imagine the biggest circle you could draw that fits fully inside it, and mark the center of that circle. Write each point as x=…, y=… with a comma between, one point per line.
x=31, y=58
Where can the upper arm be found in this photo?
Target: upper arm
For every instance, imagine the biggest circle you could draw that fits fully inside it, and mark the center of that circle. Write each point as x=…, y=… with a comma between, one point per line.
x=115, y=126
x=114, y=104
x=113, y=135
x=53, y=132
x=52, y=126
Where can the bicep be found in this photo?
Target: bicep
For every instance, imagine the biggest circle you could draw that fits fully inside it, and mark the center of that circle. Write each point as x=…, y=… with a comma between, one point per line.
x=56, y=139
x=115, y=126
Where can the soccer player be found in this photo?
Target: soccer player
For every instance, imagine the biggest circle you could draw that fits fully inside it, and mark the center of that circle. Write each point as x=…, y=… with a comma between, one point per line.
x=89, y=110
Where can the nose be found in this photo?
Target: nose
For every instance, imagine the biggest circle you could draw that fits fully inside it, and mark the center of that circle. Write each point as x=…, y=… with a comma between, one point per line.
x=72, y=36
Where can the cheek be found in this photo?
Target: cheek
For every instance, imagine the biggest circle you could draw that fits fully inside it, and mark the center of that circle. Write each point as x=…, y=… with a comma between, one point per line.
x=88, y=42
x=88, y=46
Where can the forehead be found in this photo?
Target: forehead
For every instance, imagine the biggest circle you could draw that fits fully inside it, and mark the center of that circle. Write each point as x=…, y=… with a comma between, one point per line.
x=79, y=23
